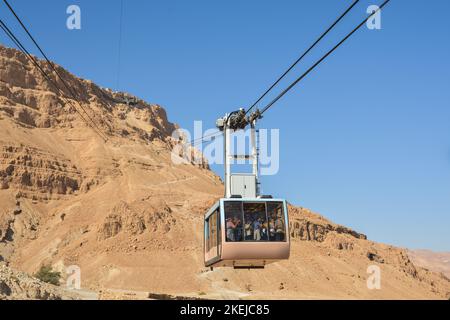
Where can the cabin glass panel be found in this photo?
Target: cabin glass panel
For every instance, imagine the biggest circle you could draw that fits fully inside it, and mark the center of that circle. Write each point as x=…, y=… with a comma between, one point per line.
x=255, y=217
x=277, y=223
x=258, y=221
x=233, y=221
x=212, y=234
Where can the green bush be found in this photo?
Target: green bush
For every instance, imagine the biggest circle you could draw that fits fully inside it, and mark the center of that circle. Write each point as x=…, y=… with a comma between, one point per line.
x=46, y=274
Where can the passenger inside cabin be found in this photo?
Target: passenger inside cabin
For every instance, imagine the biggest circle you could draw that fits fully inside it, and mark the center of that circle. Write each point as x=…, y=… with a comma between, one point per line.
x=257, y=230
x=237, y=229
x=230, y=229
x=248, y=230
x=264, y=235
x=279, y=229
x=272, y=229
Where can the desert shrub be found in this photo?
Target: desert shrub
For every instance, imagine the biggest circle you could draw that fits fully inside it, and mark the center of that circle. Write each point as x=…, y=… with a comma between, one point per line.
x=46, y=274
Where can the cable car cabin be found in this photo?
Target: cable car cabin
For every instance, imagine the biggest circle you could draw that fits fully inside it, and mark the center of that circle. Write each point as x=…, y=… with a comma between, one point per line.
x=244, y=229
x=246, y=233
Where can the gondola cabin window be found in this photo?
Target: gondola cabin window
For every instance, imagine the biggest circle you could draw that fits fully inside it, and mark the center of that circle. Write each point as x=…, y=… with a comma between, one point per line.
x=233, y=221
x=211, y=231
x=254, y=221
x=277, y=223
x=256, y=226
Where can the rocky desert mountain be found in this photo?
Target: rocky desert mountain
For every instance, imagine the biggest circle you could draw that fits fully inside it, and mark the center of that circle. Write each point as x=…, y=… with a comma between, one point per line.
x=434, y=261
x=132, y=220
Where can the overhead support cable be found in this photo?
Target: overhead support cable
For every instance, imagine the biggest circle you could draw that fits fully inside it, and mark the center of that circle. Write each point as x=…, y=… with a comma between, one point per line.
x=268, y=106
x=304, y=54
x=33, y=60
x=72, y=92
x=201, y=140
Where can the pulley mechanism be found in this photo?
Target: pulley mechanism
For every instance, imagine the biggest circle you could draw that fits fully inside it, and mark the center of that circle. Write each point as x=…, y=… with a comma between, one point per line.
x=238, y=120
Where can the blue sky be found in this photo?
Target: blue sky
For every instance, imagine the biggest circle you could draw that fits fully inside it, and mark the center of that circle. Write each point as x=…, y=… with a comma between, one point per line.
x=365, y=139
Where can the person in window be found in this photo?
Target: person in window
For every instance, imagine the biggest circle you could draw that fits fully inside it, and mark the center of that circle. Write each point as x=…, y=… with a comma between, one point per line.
x=272, y=230
x=248, y=230
x=230, y=229
x=279, y=229
x=264, y=233
x=257, y=230
x=237, y=229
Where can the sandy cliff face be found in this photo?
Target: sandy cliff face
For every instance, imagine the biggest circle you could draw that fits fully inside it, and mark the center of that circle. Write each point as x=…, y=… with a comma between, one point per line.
x=132, y=219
